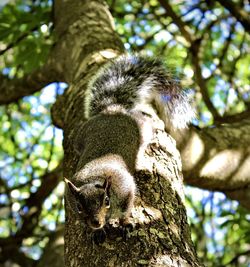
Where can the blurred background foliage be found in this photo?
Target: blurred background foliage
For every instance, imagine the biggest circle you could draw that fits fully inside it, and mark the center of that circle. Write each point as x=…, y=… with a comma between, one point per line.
x=201, y=40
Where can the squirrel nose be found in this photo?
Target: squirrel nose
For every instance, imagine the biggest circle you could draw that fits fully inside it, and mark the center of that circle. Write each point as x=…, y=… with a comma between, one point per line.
x=95, y=222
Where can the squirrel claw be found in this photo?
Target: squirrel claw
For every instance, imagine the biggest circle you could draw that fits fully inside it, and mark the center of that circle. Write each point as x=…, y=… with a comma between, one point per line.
x=126, y=228
x=99, y=237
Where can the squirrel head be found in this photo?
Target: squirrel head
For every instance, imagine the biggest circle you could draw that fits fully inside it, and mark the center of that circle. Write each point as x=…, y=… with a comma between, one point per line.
x=92, y=201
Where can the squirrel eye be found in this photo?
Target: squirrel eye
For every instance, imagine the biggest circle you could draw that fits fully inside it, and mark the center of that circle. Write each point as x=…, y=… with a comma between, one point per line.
x=106, y=200
x=79, y=208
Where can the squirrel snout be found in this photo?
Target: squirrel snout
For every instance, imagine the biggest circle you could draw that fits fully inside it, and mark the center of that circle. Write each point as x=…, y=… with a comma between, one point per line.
x=95, y=223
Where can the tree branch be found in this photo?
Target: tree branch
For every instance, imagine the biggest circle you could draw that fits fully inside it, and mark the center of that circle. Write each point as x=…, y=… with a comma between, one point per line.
x=240, y=14
x=14, y=89
x=35, y=201
x=235, y=259
x=194, y=49
x=218, y=159
x=34, y=205
x=19, y=39
x=16, y=256
x=211, y=24
x=235, y=117
x=184, y=29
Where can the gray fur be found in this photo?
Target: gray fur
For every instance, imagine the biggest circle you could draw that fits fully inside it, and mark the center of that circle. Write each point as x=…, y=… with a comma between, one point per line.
x=119, y=104
x=130, y=82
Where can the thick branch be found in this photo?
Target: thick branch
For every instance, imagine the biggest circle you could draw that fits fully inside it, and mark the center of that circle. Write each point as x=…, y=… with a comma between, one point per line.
x=80, y=32
x=235, y=117
x=218, y=159
x=12, y=90
x=240, y=14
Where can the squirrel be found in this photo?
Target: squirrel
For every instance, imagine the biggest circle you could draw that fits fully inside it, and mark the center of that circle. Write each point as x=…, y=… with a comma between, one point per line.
x=119, y=102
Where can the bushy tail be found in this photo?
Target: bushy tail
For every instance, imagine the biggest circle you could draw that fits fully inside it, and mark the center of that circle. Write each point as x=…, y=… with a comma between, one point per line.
x=130, y=81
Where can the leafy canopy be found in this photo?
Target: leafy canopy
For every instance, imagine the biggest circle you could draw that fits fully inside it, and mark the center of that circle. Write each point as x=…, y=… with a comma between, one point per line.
x=203, y=37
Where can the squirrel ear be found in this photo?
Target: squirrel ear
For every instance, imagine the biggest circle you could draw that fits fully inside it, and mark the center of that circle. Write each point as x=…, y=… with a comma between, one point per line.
x=107, y=183
x=74, y=190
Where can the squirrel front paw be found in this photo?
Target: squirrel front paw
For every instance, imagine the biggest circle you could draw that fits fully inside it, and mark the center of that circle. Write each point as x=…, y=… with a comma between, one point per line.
x=99, y=236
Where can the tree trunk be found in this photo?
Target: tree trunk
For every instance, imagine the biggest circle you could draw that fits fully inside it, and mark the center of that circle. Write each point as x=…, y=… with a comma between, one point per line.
x=53, y=253
x=161, y=235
